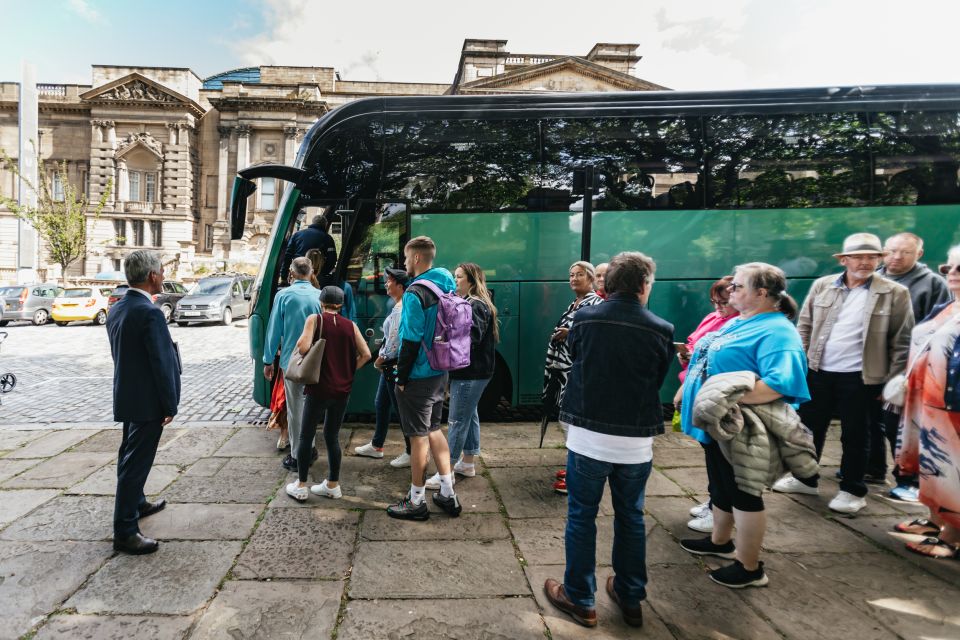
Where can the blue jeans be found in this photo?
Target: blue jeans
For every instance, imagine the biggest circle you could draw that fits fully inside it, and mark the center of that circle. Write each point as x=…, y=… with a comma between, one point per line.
x=384, y=405
x=464, y=421
x=586, y=478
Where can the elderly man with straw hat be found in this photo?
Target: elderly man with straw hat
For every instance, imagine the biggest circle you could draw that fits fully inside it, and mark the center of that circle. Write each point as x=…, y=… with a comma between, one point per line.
x=855, y=328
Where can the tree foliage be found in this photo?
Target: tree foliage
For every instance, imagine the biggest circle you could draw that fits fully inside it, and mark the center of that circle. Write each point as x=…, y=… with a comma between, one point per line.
x=60, y=215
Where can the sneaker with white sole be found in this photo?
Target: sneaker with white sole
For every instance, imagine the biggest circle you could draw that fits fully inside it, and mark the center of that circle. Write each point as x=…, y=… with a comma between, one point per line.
x=402, y=460
x=298, y=493
x=906, y=493
x=433, y=482
x=789, y=484
x=701, y=510
x=369, y=451
x=703, y=525
x=736, y=576
x=322, y=489
x=845, y=502
x=466, y=471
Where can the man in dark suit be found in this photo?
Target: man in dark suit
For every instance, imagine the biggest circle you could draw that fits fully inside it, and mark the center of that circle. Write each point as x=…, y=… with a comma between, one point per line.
x=146, y=392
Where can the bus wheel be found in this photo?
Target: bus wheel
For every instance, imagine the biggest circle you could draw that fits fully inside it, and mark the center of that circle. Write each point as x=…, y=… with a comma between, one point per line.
x=498, y=387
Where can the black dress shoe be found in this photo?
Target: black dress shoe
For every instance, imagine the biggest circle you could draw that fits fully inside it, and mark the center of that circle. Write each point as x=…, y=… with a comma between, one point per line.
x=136, y=544
x=150, y=508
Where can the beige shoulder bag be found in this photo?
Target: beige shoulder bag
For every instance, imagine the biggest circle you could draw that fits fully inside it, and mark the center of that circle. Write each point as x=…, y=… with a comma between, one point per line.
x=305, y=368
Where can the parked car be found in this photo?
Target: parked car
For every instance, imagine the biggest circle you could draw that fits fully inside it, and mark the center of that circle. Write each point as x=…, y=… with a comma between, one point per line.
x=166, y=300
x=220, y=298
x=78, y=304
x=32, y=303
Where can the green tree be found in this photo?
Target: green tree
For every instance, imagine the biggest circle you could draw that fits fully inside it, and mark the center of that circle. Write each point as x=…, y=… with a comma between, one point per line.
x=60, y=215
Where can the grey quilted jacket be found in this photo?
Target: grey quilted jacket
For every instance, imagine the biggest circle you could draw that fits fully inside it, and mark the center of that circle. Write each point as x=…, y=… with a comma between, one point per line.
x=759, y=440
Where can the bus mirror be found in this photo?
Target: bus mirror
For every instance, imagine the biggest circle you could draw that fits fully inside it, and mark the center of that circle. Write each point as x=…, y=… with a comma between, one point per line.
x=242, y=189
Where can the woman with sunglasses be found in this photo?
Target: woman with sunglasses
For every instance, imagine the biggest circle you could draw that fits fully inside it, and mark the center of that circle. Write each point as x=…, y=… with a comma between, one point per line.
x=723, y=313
x=930, y=429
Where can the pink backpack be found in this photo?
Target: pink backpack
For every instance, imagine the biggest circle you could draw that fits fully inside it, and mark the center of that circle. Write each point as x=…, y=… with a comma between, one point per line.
x=450, y=349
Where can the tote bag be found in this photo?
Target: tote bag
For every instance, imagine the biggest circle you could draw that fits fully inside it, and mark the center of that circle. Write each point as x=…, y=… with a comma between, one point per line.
x=305, y=368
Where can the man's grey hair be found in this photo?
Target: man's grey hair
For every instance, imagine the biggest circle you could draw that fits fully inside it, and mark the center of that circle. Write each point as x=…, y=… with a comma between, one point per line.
x=301, y=268
x=138, y=266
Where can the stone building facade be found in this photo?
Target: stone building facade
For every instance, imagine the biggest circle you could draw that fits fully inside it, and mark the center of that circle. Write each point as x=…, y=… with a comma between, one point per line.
x=171, y=143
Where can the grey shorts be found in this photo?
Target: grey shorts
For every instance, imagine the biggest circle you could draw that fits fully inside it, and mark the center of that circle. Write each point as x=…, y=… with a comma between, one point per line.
x=421, y=404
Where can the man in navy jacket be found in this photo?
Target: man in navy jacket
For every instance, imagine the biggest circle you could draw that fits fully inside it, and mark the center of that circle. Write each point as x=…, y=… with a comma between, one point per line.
x=146, y=392
x=313, y=237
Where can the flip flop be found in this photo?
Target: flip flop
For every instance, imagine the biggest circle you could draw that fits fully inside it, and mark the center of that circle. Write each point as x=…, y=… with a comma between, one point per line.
x=935, y=548
x=918, y=527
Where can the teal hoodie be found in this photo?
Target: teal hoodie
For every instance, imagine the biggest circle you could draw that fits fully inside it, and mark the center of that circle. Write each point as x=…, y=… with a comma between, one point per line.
x=417, y=322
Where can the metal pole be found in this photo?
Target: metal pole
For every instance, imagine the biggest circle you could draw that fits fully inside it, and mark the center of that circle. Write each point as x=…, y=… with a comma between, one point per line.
x=587, y=223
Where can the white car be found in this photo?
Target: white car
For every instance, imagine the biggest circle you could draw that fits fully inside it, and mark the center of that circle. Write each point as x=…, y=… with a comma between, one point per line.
x=80, y=304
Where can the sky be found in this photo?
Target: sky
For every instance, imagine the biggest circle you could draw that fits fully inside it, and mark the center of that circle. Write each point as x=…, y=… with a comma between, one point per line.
x=689, y=45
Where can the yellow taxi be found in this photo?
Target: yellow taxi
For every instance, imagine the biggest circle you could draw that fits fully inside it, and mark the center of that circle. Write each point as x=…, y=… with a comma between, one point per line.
x=79, y=304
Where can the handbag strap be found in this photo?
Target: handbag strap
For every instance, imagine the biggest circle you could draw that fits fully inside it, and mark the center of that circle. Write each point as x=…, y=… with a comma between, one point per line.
x=318, y=329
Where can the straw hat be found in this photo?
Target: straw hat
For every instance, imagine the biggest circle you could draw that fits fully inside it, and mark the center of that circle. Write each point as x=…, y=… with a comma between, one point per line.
x=860, y=244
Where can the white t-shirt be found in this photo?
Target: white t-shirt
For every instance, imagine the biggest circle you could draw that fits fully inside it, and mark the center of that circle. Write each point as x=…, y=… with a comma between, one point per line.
x=607, y=448
x=843, y=352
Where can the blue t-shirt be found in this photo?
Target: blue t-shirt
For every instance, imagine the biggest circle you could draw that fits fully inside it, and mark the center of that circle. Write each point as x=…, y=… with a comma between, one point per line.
x=767, y=344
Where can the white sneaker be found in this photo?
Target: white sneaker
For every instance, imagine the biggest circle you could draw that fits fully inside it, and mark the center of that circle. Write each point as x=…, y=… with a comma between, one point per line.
x=845, y=502
x=323, y=490
x=704, y=524
x=298, y=493
x=402, y=460
x=701, y=510
x=464, y=470
x=369, y=451
x=789, y=484
x=433, y=482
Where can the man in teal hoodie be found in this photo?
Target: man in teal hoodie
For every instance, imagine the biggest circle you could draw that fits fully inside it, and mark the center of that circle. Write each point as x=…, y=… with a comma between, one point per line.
x=291, y=308
x=420, y=388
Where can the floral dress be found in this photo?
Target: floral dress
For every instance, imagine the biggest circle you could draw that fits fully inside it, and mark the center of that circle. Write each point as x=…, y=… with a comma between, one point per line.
x=929, y=442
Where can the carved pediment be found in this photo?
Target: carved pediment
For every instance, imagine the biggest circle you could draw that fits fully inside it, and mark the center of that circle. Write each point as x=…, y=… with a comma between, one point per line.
x=570, y=74
x=136, y=89
x=147, y=141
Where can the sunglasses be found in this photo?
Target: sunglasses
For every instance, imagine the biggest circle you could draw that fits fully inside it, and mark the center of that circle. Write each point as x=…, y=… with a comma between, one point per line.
x=946, y=269
x=735, y=286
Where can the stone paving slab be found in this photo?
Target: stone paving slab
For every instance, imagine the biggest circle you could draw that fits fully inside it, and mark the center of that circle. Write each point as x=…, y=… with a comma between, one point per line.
x=60, y=472
x=377, y=525
x=103, y=481
x=878, y=503
x=360, y=435
x=108, y=441
x=554, y=458
x=479, y=619
x=242, y=610
x=52, y=443
x=240, y=480
x=18, y=502
x=178, y=579
x=519, y=435
x=790, y=527
x=202, y=522
x=300, y=543
x=71, y=627
x=913, y=604
x=693, y=606
x=659, y=484
x=693, y=480
x=15, y=439
x=670, y=457
x=460, y=568
x=527, y=492
x=35, y=577
x=258, y=443
x=10, y=468
x=66, y=518
x=541, y=540
x=610, y=624
x=191, y=444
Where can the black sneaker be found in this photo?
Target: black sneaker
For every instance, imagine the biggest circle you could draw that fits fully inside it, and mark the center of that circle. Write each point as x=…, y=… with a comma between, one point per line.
x=406, y=510
x=736, y=577
x=706, y=547
x=451, y=505
x=289, y=463
x=875, y=478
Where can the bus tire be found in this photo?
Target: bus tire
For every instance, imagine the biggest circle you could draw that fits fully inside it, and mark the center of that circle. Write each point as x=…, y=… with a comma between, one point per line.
x=498, y=388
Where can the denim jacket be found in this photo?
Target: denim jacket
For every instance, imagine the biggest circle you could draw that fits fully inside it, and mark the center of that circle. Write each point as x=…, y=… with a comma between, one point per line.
x=621, y=352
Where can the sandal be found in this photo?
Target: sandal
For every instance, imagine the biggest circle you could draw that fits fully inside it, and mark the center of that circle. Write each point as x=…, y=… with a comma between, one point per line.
x=918, y=527
x=935, y=548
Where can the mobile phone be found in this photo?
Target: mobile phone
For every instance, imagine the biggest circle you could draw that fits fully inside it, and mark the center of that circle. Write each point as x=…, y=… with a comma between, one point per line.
x=681, y=348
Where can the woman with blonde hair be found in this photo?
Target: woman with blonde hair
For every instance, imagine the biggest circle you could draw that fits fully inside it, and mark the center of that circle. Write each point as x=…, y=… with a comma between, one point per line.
x=316, y=258
x=467, y=384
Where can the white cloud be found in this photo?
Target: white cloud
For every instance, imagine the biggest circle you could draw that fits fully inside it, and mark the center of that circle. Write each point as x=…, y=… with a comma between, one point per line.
x=83, y=9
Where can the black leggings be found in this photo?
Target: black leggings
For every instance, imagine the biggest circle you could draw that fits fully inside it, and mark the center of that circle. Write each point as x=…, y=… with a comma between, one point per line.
x=331, y=411
x=724, y=492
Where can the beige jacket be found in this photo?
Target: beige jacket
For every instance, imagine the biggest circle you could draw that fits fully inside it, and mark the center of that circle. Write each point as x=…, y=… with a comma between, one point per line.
x=759, y=440
x=887, y=322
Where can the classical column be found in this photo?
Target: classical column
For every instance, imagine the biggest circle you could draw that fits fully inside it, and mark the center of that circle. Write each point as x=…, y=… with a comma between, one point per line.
x=172, y=133
x=111, y=133
x=184, y=137
x=290, y=145
x=123, y=182
x=158, y=188
x=243, y=146
x=222, y=177
x=96, y=130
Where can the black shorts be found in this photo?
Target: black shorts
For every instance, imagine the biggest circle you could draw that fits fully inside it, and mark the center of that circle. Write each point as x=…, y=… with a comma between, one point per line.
x=724, y=492
x=421, y=404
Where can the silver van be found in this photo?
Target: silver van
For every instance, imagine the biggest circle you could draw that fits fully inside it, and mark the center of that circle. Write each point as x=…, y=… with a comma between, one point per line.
x=219, y=298
x=31, y=302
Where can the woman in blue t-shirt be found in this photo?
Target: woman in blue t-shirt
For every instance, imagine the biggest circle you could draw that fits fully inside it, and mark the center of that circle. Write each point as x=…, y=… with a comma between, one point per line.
x=764, y=341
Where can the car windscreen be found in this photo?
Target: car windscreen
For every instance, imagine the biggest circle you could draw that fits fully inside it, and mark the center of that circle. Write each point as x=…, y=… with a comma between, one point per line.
x=10, y=292
x=77, y=293
x=211, y=287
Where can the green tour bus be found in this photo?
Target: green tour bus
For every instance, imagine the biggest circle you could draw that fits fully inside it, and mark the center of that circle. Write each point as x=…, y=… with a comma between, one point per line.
x=524, y=185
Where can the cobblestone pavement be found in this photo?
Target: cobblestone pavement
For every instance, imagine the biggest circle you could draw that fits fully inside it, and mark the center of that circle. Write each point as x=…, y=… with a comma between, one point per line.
x=239, y=559
x=65, y=375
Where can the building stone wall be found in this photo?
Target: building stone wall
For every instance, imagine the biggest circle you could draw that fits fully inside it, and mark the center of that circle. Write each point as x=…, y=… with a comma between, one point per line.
x=170, y=143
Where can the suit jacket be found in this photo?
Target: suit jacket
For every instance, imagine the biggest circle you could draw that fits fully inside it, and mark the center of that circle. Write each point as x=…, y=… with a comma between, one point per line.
x=146, y=364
